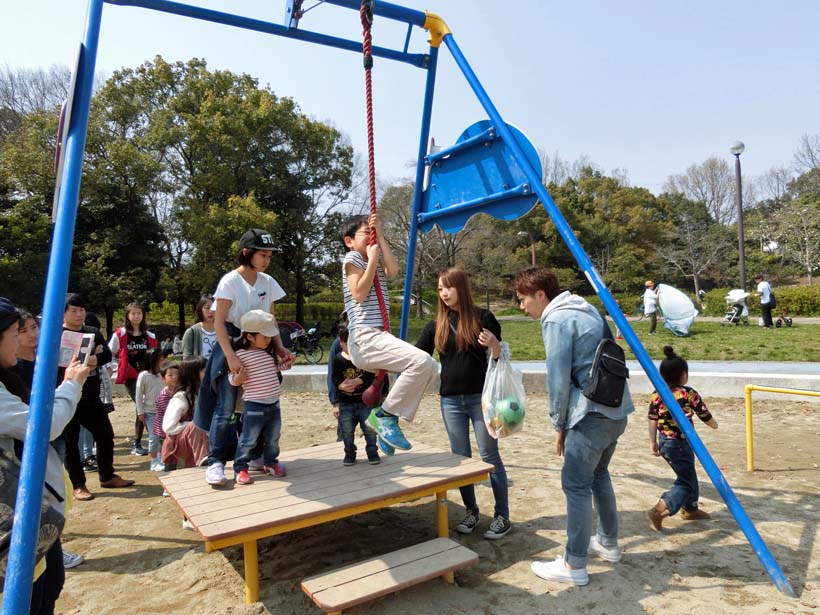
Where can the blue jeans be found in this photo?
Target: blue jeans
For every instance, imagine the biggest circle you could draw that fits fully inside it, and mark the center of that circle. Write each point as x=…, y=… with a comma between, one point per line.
x=215, y=405
x=680, y=457
x=259, y=419
x=588, y=448
x=153, y=440
x=458, y=411
x=86, y=444
x=350, y=415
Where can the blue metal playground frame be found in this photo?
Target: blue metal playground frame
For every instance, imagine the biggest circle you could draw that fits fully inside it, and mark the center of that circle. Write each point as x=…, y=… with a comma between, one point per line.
x=17, y=590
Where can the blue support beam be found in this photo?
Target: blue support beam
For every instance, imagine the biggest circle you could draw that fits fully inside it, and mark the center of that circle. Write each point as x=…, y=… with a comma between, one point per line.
x=20, y=569
x=718, y=480
x=237, y=21
x=424, y=138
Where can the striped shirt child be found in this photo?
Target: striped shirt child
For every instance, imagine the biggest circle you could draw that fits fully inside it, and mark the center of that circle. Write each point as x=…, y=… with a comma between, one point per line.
x=261, y=376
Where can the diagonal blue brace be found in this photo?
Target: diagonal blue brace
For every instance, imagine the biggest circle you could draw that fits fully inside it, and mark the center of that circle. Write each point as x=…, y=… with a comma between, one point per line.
x=718, y=480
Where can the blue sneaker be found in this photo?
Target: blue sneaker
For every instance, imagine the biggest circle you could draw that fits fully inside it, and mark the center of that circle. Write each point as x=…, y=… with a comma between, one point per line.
x=385, y=448
x=387, y=427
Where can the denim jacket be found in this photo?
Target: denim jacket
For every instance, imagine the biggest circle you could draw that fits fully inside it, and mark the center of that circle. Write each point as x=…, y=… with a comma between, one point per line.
x=571, y=329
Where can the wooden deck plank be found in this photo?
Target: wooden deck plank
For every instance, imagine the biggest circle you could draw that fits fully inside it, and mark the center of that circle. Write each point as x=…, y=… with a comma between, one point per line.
x=279, y=497
x=190, y=481
x=355, y=571
x=352, y=585
x=213, y=528
x=266, y=487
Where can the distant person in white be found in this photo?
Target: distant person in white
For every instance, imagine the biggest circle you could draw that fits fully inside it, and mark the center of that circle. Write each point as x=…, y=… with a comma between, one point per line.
x=764, y=289
x=650, y=305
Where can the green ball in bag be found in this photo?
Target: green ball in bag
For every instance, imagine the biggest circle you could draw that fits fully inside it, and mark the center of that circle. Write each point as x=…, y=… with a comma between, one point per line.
x=510, y=410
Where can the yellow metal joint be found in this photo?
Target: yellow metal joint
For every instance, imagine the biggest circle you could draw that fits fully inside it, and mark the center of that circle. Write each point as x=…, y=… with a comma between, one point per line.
x=437, y=28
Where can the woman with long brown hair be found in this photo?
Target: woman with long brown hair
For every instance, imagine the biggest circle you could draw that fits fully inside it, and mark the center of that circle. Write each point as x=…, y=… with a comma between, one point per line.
x=462, y=333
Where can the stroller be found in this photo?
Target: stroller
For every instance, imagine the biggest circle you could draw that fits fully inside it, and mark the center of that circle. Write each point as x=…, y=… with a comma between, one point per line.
x=737, y=311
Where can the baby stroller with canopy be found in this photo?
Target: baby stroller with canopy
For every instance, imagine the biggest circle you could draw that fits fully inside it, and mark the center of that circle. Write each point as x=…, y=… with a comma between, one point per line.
x=737, y=311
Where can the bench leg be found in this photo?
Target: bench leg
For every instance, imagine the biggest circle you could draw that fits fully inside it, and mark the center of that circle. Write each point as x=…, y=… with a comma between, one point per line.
x=251, y=572
x=443, y=527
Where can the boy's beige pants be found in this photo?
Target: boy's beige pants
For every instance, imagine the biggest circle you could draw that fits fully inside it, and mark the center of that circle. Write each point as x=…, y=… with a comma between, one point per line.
x=373, y=349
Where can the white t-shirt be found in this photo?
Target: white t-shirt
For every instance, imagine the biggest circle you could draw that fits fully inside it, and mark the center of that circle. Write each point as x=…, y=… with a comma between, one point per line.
x=207, y=343
x=765, y=290
x=650, y=301
x=244, y=297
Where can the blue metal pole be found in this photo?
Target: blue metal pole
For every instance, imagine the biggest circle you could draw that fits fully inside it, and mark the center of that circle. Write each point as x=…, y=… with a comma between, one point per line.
x=426, y=114
x=387, y=10
x=228, y=19
x=718, y=480
x=20, y=569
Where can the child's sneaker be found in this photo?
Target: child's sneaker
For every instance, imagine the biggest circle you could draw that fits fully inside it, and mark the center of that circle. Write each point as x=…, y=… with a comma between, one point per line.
x=187, y=525
x=499, y=527
x=388, y=429
x=243, y=478
x=468, y=523
x=215, y=475
x=72, y=560
x=256, y=465
x=694, y=514
x=374, y=459
x=385, y=448
x=349, y=461
x=157, y=466
x=138, y=450
x=277, y=469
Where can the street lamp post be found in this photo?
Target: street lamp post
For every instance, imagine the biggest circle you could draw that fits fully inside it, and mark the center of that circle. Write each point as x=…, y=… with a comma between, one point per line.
x=737, y=149
x=532, y=243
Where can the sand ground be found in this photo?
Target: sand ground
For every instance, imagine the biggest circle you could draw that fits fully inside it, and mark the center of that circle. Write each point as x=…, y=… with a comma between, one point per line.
x=139, y=560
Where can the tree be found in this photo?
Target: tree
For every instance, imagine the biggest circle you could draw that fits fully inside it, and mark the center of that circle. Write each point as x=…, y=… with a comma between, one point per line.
x=695, y=244
x=711, y=183
x=807, y=156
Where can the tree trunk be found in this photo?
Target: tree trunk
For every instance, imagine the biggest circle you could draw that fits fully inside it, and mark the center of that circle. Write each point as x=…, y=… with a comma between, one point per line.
x=181, y=312
x=488, y=298
x=109, y=321
x=300, y=297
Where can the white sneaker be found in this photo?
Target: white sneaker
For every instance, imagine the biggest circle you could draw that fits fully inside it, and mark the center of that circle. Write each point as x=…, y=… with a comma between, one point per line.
x=71, y=560
x=610, y=554
x=187, y=525
x=215, y=475
x=557, y=570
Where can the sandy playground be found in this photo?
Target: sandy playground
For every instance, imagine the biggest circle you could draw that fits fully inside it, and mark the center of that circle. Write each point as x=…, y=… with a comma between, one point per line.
x=140, y=560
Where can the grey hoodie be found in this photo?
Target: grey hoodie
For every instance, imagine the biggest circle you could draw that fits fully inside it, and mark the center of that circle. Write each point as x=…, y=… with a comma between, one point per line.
x=571, y=329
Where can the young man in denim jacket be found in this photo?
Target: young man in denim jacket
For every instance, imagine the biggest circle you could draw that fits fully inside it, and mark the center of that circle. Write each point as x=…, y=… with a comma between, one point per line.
x=586, y=432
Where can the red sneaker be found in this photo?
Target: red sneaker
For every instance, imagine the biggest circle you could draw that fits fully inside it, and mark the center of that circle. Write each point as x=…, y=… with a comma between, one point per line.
x=277, y=469
x=243, y=478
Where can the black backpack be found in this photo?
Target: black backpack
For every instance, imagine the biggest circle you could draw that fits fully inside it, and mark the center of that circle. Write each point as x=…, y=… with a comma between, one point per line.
x=772, y=300
x=51, y=520
x=608, y=374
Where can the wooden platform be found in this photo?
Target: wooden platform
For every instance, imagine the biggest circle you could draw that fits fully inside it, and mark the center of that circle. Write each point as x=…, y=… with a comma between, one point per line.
x=346, y=587
x=317, y=489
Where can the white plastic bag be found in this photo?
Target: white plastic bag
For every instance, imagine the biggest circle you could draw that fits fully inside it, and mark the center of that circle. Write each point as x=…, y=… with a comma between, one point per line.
x=503, y=398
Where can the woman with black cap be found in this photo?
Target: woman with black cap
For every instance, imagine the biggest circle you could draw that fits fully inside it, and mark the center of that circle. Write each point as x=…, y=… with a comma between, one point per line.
x=245, y=288
x=14, y=412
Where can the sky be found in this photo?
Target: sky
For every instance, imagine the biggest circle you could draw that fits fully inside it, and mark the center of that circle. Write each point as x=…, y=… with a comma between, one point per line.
x=646, y=87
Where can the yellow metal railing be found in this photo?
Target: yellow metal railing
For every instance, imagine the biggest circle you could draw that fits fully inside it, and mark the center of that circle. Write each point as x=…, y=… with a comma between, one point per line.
x=750, y=445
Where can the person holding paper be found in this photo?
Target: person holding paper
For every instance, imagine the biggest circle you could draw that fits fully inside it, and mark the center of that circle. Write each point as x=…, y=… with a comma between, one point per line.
x=90, y=412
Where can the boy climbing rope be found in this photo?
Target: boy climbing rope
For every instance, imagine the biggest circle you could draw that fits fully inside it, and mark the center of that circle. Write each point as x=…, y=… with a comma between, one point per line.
x=372, y=346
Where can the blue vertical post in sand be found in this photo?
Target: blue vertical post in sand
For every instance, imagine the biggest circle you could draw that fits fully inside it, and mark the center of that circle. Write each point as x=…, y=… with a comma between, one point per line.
x=718, y=480
x=20, y=570
x=424, y=138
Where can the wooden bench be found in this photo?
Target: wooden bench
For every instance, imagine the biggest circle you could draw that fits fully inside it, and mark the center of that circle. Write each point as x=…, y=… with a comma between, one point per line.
x=352, y=585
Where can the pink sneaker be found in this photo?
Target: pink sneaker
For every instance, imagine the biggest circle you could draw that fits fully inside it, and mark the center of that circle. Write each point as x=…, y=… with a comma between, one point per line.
x=256, y=465
x=277, y=469
x=243, y=478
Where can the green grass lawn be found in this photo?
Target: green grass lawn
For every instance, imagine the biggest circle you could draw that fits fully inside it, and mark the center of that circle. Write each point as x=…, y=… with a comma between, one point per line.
x=706, y=341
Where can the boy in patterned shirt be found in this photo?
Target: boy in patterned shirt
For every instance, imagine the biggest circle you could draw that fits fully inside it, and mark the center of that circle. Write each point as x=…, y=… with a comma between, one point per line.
x=666, y=440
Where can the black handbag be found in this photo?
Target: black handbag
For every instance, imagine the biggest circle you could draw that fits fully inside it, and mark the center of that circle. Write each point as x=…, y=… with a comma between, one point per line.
x=608, y=374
